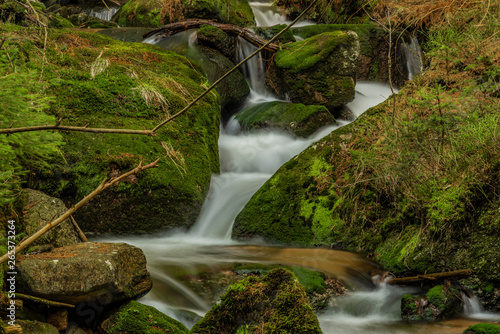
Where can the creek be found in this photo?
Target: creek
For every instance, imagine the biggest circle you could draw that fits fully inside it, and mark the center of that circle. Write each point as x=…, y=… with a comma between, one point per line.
x=177, y=259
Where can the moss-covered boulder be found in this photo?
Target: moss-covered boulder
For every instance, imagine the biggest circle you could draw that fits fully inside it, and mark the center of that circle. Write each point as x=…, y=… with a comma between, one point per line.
x=217, y=39
x=296, y=118
x=440, y=303
x=269, y=32
x=317, y=71
x=484, y=328
x=373, y=59
x=155, y=13
x=274, y=304
x=36, y=327
x=135, y=317
x=234, y=89
x=95, y=81
x=40, y=209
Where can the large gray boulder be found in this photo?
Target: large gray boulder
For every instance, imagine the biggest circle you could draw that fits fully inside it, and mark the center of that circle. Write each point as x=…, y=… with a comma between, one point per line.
x=41, y=208
x=317, y=71
x=109, y=272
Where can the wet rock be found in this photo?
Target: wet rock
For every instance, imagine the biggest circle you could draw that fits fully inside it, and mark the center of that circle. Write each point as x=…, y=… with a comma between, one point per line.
x=483, y=329
x=83, y=272
x=135, y=317
x=296, y=118
x=36, y=327
x=234, y=89
x=440, y=303
x=58, y=318
x=275, y=303
x=317, y=71
x=40, y=209
x=217, y=39
x=269, y=32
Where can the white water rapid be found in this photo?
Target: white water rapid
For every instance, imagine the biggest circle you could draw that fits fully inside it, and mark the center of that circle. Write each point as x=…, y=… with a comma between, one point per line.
x=248, y=160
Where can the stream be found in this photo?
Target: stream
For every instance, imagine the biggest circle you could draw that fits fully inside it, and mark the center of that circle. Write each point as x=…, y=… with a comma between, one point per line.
x=248, y=160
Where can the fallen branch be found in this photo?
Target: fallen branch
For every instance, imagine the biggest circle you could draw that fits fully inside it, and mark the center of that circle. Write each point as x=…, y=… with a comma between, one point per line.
x=232, y=29
x=42, y=301
x=103, y=186
x=82, y=236
x=75, y=128
x=431, y=277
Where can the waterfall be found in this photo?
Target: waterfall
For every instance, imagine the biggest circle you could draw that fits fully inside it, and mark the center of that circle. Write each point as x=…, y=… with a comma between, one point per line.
x=413, y=56
x=474, y=310
x=104, y=14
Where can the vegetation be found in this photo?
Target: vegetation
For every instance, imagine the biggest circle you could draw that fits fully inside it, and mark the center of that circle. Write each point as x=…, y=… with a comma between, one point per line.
x=415, y=180
x=483, y=329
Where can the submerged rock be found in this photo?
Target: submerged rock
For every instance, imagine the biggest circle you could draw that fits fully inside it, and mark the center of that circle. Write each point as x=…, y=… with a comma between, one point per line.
x=296, y=118
x=275, y=303
x=217, y=39
x=41, y=208
x=317, y=71
x=440, y=303
x=135, y=317
x=88, y=271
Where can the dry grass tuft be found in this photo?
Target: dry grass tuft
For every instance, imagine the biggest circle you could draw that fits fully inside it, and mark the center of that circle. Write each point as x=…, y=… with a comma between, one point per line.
x=98, y=66
x=171, y=11
x=153, y=97
x=175, y=157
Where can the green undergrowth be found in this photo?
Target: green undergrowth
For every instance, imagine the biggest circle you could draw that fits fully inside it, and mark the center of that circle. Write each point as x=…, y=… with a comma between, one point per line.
x=484, y=328
x=415, y=180
x=91, y=80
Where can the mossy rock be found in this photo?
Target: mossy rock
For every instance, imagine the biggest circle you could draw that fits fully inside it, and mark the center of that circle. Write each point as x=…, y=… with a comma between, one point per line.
x=148, y=13
x=135, y=317
x=410, y=309
x=484, y=328
x=36, y=327
x=234, y=89
x=274, y=304
x=269, y=32
x=296, y=118
x=373, y=40
x=317, y=71
x=217, y=39
x=96, y=81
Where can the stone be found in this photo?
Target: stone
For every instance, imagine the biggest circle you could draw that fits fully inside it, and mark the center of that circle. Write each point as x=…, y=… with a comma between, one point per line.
x=233, y=90
x=317, y=71
x=217, y=39
x=135, y=317
x=296, y=118
x=108, y=272
x=58, y=318
x=36, y=327
x=40, y=209
x=275, y=304
x=483, y=328
x=440, y=303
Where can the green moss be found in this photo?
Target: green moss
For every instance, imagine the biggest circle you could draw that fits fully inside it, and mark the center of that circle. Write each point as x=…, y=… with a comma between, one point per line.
x=135, y=317
x=437, y=296
x=115, y=98
x=293, y=117
x=273, y=304
x=300, y=56
x=484, y=328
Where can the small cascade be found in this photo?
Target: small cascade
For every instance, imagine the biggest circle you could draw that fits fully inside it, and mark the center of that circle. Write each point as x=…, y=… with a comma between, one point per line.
x=104, y=14
x=474, y=310
x=254, y=71
x=413, y=56
x=266, y=14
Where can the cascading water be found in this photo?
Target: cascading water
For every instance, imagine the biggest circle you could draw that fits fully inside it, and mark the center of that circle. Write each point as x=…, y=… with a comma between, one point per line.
x=413, y=56
x=247, y=161
x=104, y=14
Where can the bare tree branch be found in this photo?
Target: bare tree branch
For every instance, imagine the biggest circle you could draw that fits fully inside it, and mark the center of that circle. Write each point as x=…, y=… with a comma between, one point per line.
x=103, y=186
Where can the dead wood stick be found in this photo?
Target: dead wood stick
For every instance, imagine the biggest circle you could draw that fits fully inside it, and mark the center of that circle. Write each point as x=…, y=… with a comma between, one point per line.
x=232, y=29
x=78, y=229
x=431, y=277
x=103, y=186
x=14, y=329
x=42, y=300
x=75, y=128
